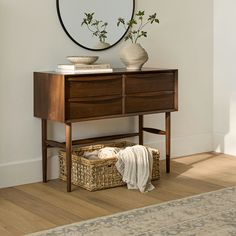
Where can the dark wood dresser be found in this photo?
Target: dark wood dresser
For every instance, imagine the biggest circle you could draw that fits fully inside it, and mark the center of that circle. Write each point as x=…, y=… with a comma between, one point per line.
x=70, y=98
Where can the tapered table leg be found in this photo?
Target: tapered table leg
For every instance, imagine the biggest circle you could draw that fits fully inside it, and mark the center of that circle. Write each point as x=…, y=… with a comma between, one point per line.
x=167, y=126
x=68, y=154
x=44, y=150
x=140, y=124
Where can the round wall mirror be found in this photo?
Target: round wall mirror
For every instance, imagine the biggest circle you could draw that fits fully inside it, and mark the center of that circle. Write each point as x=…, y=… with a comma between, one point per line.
x=93, y=24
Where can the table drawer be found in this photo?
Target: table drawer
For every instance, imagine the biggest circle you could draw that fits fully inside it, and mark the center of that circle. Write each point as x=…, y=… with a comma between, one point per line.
x=153, y=82
x=95, y=107
x=88, y=86
x=149, y=102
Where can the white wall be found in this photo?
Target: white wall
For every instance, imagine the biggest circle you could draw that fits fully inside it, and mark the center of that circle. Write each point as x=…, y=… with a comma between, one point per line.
x=32, y=39
x=224, y=76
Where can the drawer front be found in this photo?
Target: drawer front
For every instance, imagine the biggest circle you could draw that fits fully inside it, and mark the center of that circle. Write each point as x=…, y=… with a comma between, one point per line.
x=87, y=86
x=153, y=82
x=149, y=102
x=97, y=107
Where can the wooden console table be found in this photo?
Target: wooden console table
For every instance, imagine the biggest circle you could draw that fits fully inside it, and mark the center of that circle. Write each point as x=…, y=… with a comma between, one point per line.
x=70, y=98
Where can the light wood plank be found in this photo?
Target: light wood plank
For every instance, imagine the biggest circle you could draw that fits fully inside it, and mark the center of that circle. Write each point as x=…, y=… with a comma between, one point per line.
x=15, y=220
x=38, y=207
x=35, y=207
x=74, y=205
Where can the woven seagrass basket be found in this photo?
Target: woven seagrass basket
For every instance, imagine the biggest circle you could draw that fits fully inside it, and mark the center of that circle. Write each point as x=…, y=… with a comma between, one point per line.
x=101, y=173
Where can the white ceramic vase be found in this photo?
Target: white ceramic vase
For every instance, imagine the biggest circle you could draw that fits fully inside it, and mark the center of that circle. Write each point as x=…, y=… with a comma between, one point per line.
x=133, y=55
x=101, y=45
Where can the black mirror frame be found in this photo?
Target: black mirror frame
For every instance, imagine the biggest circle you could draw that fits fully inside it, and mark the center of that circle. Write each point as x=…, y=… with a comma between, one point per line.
x=91, y=49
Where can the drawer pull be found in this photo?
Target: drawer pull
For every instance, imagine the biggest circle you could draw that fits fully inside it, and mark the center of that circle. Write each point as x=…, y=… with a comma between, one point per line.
x=97, y=79
x=152, y=94
x=160, y=75
x=94, y=99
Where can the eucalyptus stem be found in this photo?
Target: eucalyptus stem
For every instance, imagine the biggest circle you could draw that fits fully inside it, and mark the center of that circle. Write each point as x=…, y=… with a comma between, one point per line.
x=97, y=27
x=145, y=24
x=90, y=29
x=140, y=27
x=133, y=34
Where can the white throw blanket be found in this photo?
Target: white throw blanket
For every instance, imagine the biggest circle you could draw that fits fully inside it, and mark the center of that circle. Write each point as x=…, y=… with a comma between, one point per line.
x=135, y=165
x=108, y=152
x=103, y=153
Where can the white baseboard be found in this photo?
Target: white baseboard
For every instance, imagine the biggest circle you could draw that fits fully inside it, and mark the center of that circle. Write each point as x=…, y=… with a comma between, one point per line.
x=25, y=172
x=183, y=146
x=225, y=143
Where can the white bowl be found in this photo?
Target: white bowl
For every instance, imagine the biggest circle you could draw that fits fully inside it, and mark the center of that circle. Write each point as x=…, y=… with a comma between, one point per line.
x=82, y=59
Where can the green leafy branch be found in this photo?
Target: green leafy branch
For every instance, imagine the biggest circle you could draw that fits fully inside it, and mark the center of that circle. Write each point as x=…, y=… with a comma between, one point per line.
x=136, y=25
x=97, y=27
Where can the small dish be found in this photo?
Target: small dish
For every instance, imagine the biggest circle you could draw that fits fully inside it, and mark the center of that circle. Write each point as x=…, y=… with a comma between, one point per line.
x=86, y=60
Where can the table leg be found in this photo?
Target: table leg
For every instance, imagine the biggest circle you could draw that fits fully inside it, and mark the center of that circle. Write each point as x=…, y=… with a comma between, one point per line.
x=68, y=154
x=44, y=150
x=167, y=124
x=140, y=122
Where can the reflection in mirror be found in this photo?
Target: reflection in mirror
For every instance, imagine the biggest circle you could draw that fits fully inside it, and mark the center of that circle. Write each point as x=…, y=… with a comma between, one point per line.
x=93, y=24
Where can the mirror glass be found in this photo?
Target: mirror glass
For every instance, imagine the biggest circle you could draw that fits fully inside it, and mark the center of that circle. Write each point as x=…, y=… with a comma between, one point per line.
x=92, y=24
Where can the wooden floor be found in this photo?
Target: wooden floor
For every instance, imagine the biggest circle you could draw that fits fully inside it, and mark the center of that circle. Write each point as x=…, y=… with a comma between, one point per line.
x=34, y=207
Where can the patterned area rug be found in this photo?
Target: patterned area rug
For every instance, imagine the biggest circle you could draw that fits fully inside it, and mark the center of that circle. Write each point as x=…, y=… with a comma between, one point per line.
x=211, y=213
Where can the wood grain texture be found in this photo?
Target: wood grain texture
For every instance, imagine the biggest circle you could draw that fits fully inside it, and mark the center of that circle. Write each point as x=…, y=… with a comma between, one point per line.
x=103, y=106
x=151, y=82
x=49, y=96
x=140, y=129
x=88, y=86
x=44, y=150
x=149, y=102
x=154, y=131
x=29, y=208
x=68, y=154
x=72, y=97
x=168, y=140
